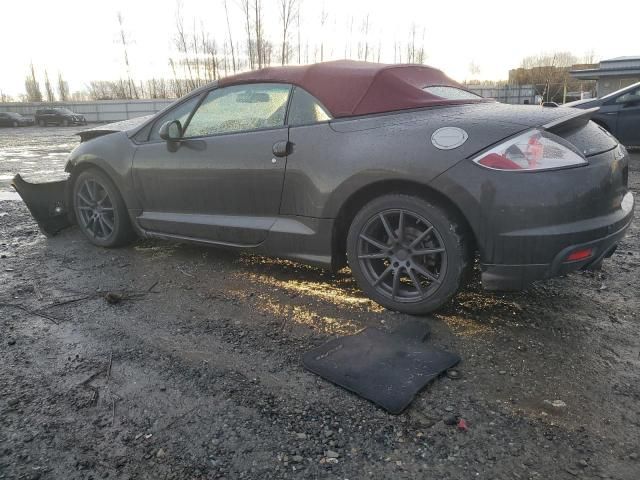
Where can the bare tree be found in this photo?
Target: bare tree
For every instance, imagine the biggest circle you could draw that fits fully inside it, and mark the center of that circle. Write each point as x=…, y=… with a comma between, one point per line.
x=177, y=84
x=420, y=56
x=132, y=93
x=589, y=57
x=63, y=88
x=299, y=36
x=182, y=44
x=32, y=87
x=323, y=19
x=48, y=88
x=547, y=72
x=246, y=10
x=259, y=32
x=474, y=68
x=233, y=52
x=365, y=30
x=288, y=12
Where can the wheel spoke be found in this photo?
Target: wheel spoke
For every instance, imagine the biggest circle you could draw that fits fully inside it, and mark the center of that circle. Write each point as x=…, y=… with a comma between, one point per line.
x=425, y=273
x=90, y=222
x=108, y=222
x=426, y=251
x=384, y=274
x=401, y=226
x=421, y=237
x=373, y=242
x=101, y=224
x=387, y=227
x=84, y=199
x=90, y=191
x=373, y=256
x=415, y=281
x=396, y=284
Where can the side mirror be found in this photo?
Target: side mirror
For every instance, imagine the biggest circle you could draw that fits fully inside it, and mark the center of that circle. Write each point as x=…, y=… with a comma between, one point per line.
x=171, y=131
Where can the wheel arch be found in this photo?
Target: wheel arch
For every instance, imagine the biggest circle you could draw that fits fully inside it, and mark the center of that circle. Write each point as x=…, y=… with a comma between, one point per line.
x=365, y=194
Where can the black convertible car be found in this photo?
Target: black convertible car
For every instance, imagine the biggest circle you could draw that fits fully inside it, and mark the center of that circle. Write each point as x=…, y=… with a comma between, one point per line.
x=395, y=170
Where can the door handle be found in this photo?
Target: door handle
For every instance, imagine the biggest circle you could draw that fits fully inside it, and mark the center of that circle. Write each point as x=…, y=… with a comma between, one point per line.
x=282, y=148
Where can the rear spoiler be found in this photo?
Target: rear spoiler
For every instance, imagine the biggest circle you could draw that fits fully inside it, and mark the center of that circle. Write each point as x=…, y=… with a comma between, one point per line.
x=575, y=118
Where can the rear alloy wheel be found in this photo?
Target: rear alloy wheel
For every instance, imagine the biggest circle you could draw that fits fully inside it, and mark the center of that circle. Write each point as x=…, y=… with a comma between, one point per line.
x=15, y=124
x=407, y=254
x=100, y=211
x=65, y=123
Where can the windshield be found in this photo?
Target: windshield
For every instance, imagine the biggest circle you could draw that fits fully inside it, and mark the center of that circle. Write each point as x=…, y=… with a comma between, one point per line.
x=65, y=110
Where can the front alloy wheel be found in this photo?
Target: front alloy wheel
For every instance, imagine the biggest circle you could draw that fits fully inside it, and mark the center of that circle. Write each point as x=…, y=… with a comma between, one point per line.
x=100, y=211
x=407, y=254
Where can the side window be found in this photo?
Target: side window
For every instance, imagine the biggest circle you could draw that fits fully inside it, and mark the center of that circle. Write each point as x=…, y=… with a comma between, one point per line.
x=305, y=109
x=181, y=112
x=240, y=107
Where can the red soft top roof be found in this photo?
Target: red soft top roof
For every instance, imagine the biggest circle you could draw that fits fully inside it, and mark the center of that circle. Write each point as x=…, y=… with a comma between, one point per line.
x=347, y=87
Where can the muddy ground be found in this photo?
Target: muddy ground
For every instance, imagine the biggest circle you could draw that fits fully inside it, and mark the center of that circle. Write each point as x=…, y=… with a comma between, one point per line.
x=196, y=373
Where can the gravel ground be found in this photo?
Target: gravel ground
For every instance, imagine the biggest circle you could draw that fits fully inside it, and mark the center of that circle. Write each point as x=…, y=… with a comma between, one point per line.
x=196, y=373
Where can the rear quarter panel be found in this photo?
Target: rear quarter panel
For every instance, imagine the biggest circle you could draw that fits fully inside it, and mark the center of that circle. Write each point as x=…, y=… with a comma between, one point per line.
x=332, y=161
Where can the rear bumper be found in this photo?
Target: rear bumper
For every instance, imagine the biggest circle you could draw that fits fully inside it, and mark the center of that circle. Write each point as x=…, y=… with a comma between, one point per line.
x=601, y=234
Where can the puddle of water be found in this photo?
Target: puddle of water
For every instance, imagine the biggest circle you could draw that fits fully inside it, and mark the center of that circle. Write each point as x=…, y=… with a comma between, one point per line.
x=9, y=196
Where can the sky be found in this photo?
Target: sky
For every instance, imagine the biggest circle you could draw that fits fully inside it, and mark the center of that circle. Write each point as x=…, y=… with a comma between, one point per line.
x=80, y=38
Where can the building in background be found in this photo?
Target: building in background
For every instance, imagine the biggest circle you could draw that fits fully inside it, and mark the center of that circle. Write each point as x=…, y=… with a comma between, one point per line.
x=610, y=75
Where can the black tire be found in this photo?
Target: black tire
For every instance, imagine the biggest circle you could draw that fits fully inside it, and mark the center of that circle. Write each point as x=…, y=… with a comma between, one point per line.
x=100, y=211
x=42, y=123
x=64, y=123
x=15, y=125
x=416, y=254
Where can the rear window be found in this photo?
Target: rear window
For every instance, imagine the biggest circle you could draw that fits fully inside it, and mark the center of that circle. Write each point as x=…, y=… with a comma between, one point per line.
x=451, y=93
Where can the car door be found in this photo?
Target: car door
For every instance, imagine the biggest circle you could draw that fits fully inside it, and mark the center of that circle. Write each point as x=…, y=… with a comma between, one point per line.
x=223, y=182
x=629, y=117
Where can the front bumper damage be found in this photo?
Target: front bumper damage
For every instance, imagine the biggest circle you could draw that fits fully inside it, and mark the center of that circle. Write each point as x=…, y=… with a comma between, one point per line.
x=48, y=203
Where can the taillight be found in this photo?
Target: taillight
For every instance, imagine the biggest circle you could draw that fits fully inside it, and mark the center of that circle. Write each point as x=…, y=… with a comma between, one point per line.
x=532, y=150
x=581, y=254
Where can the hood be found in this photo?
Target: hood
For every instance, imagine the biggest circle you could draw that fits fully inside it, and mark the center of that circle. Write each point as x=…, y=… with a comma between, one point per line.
x=123, y=126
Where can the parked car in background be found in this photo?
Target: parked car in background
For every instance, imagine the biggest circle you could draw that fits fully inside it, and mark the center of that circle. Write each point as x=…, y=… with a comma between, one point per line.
x=59, y=116
x=11, y=119
x=619, y=113
x=396, y=170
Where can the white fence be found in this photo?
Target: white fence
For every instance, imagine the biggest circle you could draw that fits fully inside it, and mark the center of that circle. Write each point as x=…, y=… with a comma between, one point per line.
x=116, y=110
x=514, y=94
x=97, y=111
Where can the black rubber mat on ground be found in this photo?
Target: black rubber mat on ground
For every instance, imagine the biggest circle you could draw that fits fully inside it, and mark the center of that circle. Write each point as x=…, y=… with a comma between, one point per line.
x=388, y=369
